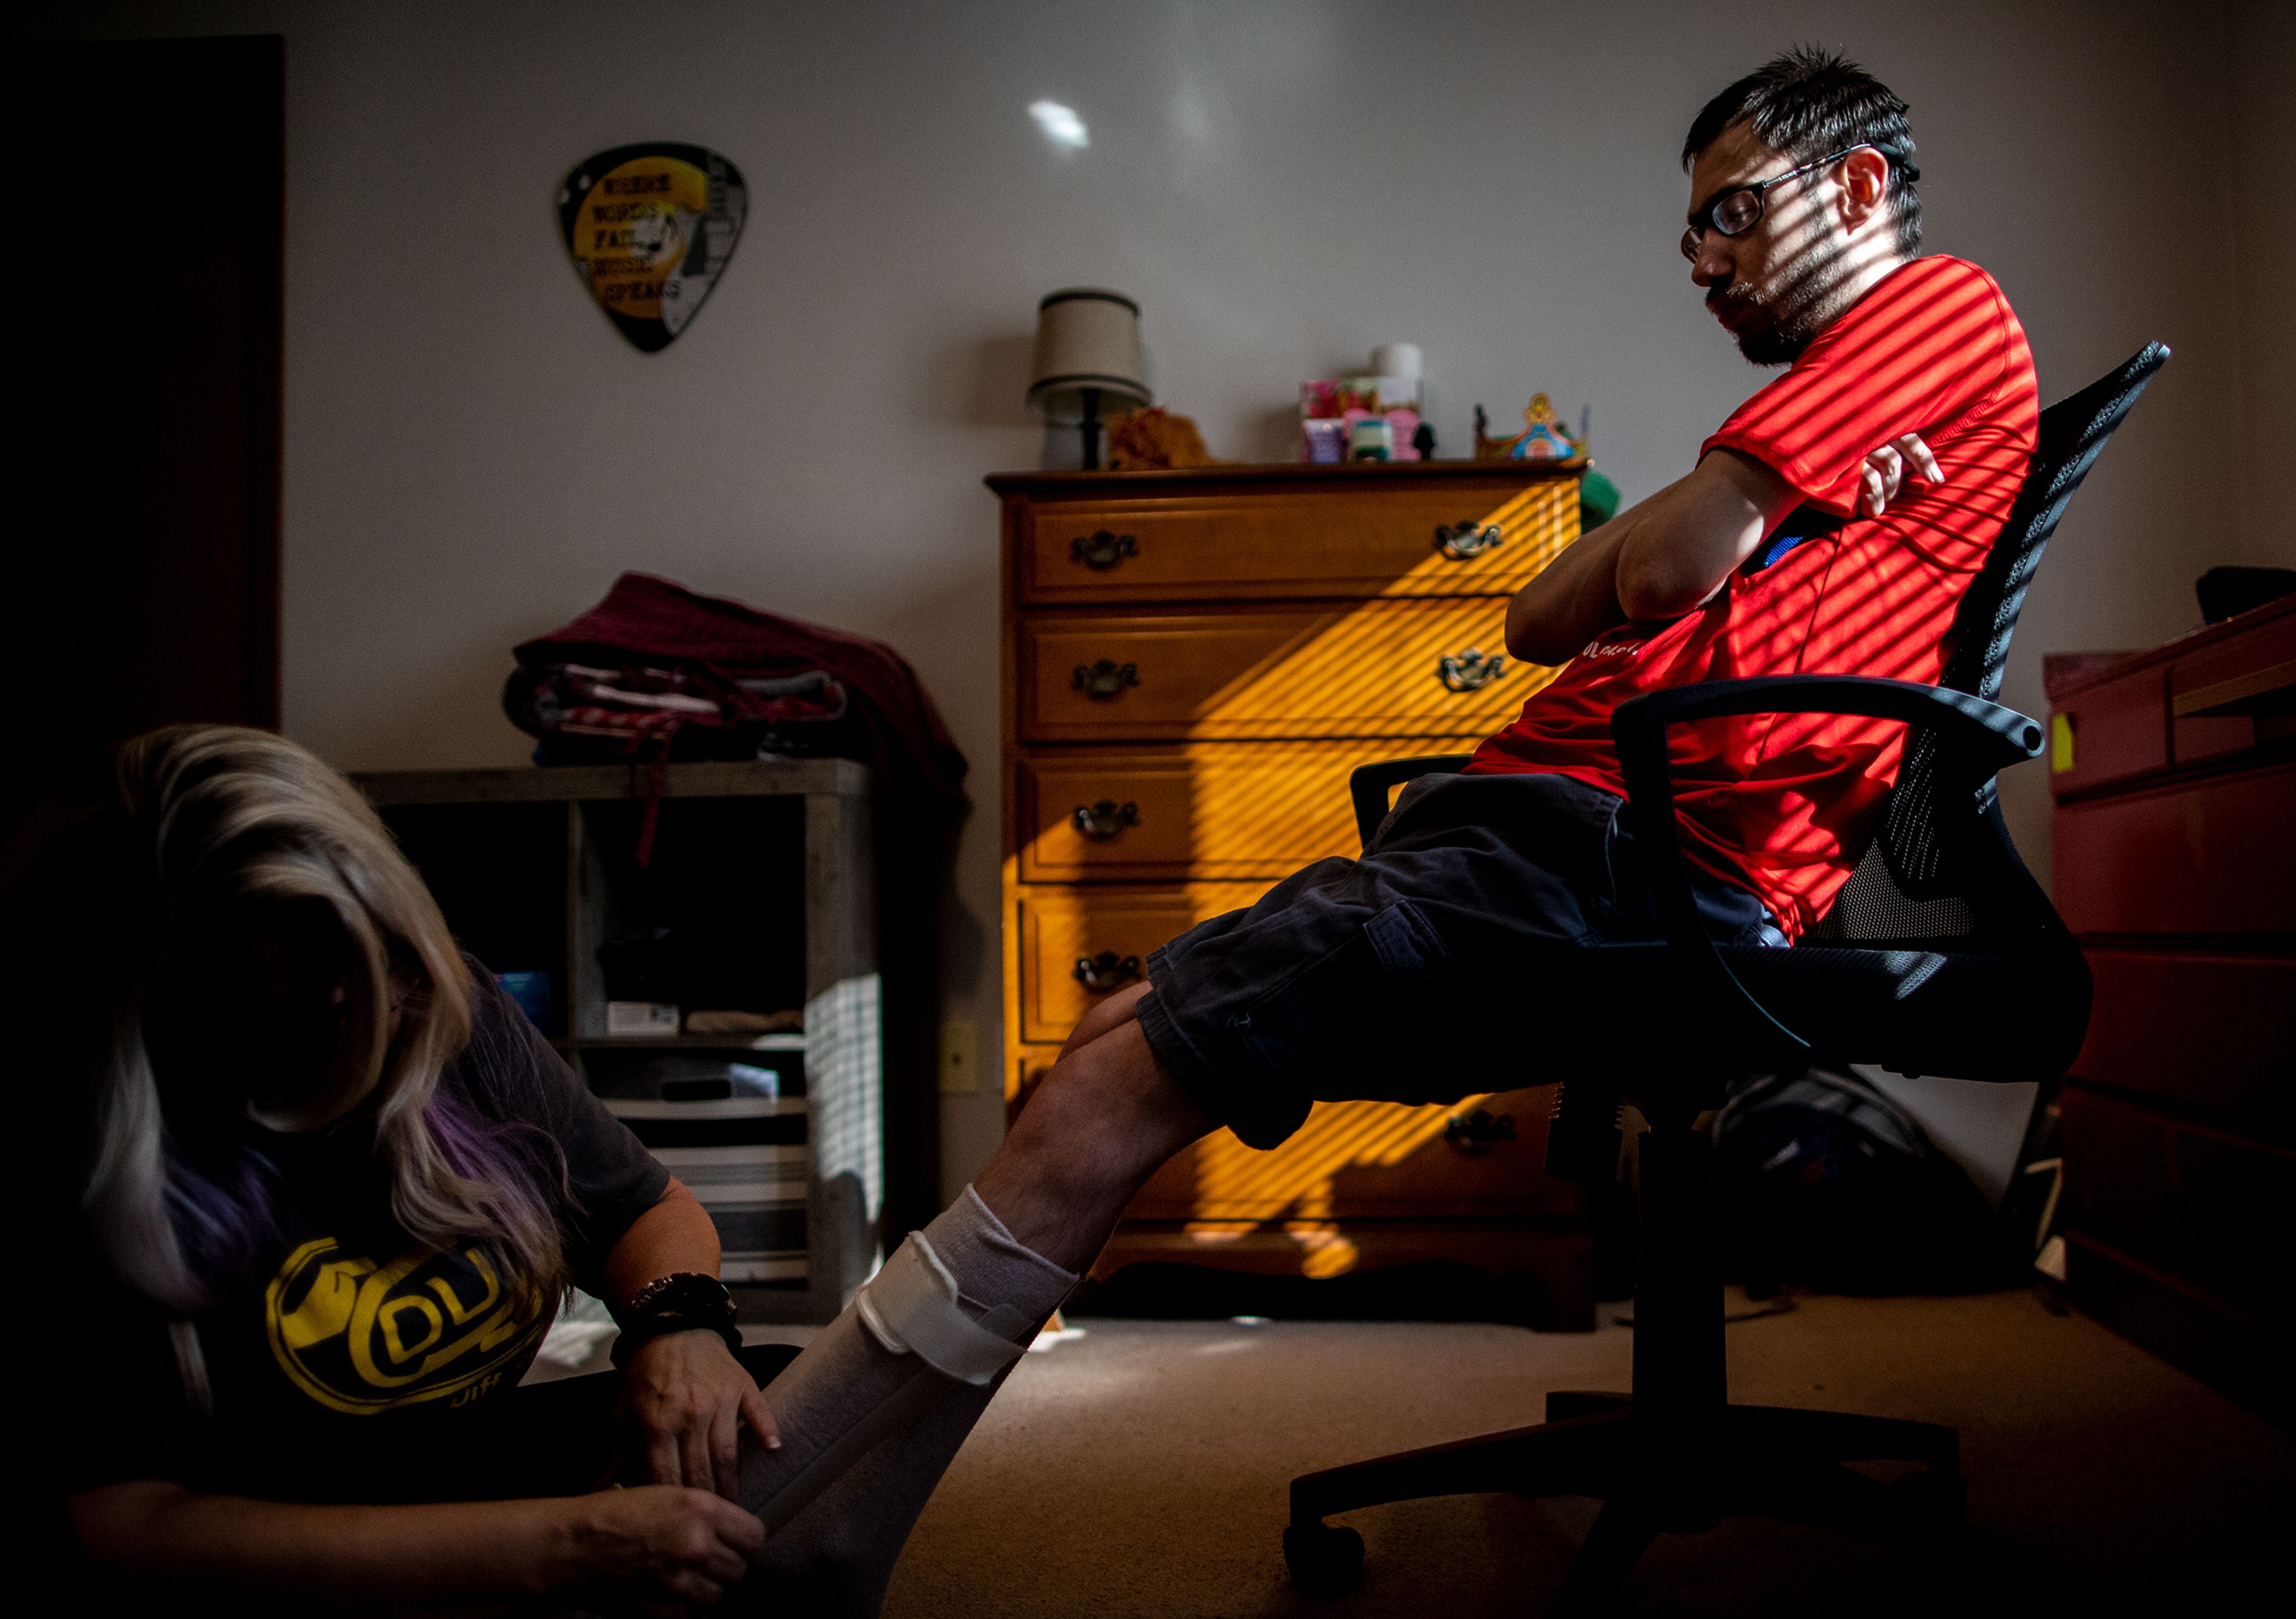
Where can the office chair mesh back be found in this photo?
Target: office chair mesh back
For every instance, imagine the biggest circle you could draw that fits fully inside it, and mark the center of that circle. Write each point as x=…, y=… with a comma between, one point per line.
x=1907, y=885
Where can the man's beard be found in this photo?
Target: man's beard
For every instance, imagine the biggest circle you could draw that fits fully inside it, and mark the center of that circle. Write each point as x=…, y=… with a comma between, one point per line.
x=1784, y=323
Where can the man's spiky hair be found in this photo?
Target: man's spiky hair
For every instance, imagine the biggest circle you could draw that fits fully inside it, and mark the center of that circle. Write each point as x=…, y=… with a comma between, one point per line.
x=1809, y=104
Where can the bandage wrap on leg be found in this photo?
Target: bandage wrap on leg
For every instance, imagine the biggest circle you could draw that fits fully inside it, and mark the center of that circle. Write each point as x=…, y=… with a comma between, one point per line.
x=911, y=1307
x=907, y=1365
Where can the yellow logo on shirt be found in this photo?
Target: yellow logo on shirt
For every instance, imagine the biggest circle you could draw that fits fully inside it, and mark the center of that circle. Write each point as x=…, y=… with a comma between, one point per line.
x=361, y=1338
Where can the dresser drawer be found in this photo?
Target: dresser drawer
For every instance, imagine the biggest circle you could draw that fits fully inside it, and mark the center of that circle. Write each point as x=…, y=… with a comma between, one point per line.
x=1364, y=1160
x=2213, y=857
x=2209, y=1206
x=1401, y=539
x=1376, y=670
x=2109, y=732
x=1204, y=811
x=1114, y=929
x=2218, y=694
x=2252, y=673
x=2203, y=1030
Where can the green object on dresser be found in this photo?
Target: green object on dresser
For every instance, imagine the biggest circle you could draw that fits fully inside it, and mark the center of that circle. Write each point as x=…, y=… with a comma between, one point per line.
x=1598, y=500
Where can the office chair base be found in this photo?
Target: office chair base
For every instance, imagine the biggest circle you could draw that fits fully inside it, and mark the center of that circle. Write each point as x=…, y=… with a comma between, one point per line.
x=1676, y=1475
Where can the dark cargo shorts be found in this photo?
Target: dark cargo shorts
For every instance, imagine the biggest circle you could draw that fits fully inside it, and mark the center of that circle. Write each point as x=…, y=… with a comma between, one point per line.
x=1441, y=963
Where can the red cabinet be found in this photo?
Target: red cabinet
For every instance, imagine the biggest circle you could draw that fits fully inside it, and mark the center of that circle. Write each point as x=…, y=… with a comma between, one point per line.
x=2174, y=851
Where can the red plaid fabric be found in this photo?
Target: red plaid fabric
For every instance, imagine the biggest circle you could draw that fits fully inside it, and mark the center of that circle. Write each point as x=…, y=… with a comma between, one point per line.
x=656, y=669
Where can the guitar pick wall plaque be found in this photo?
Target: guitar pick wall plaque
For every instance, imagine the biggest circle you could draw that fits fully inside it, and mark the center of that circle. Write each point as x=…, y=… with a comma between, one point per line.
x=650, y=228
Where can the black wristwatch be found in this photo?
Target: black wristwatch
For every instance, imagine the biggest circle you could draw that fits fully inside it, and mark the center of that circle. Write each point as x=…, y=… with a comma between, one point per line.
x=685, y=1301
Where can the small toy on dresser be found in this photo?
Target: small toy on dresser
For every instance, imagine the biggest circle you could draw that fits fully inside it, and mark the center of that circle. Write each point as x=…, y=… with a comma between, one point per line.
x=1374, y=416
x=1543, y=437
x=1155, y=440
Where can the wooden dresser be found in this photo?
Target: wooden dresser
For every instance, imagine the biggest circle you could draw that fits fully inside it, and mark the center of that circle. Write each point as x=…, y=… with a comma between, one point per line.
x=2174, y=847
x=1193, y=662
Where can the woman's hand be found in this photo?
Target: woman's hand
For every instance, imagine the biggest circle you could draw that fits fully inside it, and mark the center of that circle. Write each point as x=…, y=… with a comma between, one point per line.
x=685, y=1398
x=661, y=1551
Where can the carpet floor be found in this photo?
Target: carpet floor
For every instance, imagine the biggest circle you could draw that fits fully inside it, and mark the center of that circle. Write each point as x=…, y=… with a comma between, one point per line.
x=1141, y=1469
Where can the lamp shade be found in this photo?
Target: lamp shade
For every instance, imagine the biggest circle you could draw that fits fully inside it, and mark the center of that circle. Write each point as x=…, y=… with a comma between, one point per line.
x=1086, y=338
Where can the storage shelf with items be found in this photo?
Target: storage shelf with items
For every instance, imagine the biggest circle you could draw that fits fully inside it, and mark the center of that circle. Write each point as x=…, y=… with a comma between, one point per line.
x=736, y=895
x=1194, y=661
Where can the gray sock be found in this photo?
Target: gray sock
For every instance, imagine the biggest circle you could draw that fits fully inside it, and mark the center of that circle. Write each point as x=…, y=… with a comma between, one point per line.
x=991, y=1267
x=866, y=1433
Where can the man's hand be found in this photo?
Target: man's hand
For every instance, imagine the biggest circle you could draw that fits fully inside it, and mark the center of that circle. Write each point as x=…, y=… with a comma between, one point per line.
x=685, y=1398
x=661, y=1551
x=1888, y=467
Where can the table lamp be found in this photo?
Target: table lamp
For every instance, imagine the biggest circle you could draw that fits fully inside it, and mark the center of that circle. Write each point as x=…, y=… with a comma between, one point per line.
x=1088, y=347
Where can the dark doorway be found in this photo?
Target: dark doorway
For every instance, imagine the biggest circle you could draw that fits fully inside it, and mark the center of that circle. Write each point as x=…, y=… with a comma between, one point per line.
x=144, y=566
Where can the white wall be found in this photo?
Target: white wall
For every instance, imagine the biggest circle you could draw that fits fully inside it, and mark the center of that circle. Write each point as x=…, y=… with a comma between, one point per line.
x=472, y=454
x=2261, y=166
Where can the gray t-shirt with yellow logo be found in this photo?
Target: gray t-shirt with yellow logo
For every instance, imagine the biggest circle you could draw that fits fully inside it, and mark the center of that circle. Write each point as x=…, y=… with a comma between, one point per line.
x=348, y=1362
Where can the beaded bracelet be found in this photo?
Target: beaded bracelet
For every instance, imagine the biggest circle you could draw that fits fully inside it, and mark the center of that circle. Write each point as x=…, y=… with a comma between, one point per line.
x=684, y=1300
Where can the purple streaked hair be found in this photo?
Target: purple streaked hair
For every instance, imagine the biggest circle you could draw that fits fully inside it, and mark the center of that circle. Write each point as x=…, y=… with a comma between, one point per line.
x=200, y=822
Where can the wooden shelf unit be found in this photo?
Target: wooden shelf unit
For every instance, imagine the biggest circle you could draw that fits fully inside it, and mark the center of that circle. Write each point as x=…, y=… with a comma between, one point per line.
x=535, y=868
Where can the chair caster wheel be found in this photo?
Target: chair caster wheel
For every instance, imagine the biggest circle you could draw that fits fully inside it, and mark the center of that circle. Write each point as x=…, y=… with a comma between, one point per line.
x=1323, y=1560
x=1929, y=1498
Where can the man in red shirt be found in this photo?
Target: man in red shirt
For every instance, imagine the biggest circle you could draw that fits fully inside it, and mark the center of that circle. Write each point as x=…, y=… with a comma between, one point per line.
x=1830, y=526
x=1676, y=590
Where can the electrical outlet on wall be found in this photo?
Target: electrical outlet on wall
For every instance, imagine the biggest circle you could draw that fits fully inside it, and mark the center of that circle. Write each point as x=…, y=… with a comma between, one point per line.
x=959, y=1058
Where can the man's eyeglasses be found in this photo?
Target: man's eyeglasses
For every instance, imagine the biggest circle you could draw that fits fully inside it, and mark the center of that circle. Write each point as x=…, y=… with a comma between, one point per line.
x=1740, y=210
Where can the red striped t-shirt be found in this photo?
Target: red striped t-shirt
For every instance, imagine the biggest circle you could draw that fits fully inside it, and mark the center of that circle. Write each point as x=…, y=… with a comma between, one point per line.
x=1783, y=805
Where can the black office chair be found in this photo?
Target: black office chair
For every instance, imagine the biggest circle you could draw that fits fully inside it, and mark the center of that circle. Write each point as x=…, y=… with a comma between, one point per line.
x=1942, y=956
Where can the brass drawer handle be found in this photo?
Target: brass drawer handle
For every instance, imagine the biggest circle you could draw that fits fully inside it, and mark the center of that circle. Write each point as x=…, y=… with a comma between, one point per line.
x=1104, y=820
x=1106, y=679
x=1102, y=551
x=1466, y=540
x=1480, y=1130
x=1471, y=670
x=1106, y=971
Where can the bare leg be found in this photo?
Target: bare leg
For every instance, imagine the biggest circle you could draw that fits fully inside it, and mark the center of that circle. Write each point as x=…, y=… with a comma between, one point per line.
x=1095, y=1128
x=1122, y=1007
